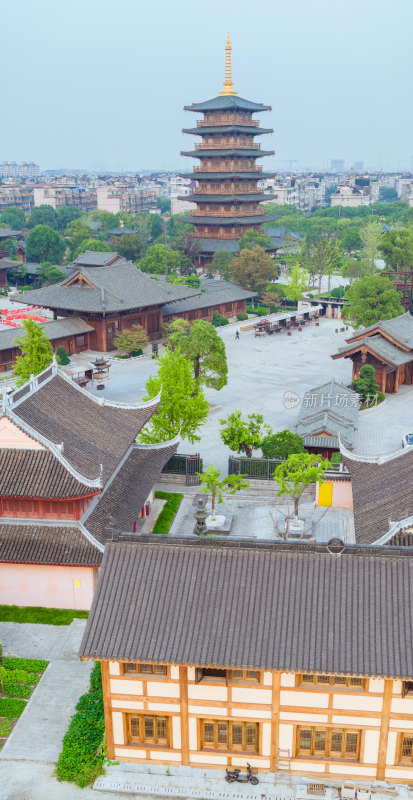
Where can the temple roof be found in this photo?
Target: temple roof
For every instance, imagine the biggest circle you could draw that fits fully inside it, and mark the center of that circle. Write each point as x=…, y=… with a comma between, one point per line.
x=230, y=151
x=118, y=287
x=254, y=605
x=331, y=408
x=380, y=346
x=399, y=328
x=259, y=219
x=231, y=102
x=55, y=329
x=218, y=292
x=46, y=542
x=213, y=176
x=37, y=473
x=204, y=130
x=5, y=233
x=216, y=245
x=94, y=258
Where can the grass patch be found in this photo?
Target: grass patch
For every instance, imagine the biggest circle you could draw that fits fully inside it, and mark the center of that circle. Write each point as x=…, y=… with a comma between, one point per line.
x=83, y=753
x=166, y=517
x=17, y=690
x=28, y=664
x=39, y=615
x=5, y=727
x=11, y=709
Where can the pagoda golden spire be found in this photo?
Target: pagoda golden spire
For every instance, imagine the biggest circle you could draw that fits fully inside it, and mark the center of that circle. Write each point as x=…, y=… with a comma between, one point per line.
x=228, y=85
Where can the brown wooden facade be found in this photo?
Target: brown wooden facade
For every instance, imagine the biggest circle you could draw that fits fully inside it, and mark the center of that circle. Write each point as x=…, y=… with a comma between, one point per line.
x=332, y=727
x=224, y=309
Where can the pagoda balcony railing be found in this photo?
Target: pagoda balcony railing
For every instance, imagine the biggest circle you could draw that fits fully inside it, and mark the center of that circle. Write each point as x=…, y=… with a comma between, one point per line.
x=228, y=119
x=225, y=235
x=233, y=213
x=226, y=145
x=233, y=168
x=241, y=189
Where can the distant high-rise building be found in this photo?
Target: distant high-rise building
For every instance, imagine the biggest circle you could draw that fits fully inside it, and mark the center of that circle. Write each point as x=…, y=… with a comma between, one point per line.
x=27, y=169
x=358, y=166
x=337, y=164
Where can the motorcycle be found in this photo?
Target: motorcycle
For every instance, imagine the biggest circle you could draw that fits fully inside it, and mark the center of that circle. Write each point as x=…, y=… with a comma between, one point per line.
x=235, y=775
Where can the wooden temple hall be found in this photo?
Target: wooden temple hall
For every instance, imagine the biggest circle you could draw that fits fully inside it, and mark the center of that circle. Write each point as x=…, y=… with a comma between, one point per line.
x=227, y=194
x=388, y=347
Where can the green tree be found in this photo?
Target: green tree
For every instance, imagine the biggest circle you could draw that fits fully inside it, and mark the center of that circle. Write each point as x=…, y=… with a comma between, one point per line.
x=397, y=248
x=297, y=283
x=62, y=356
x=157, y=224
x=371, y=299
x=350, y=239
x=182, y=407
x=9, y=220
x=252, y=238
x=354, y=268
x=44, y=244
x=66, y=215
x=244, y=436
x=324, y=258
x=17, y=212
x=164, y=204
x=221, y=263
x=253, y=269
x=132, y=339
x=107, y=219
x=77, y=231
x=282, y=445
x=36, y=349
x=213, y=484
x=204, y=348
x=154, y=260
x=91, y=244
x=188, y=247
x=43, y=215
x=296, y=473
x=365, y=385
x=370, y=235
x=387, y=194
x=129, y=246
x=47, y=274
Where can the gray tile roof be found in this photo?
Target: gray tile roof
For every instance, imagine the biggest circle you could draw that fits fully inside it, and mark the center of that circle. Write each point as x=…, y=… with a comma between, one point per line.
x=382, y=493
x=213, y=176
x=331, y=408
x=257, y=218
x=92, y=434
x=223, y=292
x=5, y=233
x=399, y=328
x=119, y=287
x=251, y=130
x=25, y=542
x=37, y=473
x=96, y=259
x=262, y=606
x=125, y=496
x=228, y=151
x=380, y=346
x=216, y=245
x=227, y=102
x=55, y=329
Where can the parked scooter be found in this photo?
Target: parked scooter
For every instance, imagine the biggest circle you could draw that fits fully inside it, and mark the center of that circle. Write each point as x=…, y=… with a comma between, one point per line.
x=235, y=775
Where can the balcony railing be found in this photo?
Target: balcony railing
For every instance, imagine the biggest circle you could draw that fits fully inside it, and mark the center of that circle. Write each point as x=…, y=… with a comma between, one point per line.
x=226, y=145
x=224, y=190
x=232, y=168
x=228, y=213
x=228, y=119
x=225, y=235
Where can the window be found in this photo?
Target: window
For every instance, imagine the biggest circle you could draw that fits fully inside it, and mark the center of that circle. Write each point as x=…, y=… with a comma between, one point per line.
x=330, y=742
x=146, y=729
x=406, y=748
x=144, y=669
x=221, y=735
x=331, y=680
x=80, y=341
x=227, y=676
x=407, y=688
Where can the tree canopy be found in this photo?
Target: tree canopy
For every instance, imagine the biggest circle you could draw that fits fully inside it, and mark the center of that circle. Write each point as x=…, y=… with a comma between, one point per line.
x=213, y=484
x=371, y=299
x=10, y=220
x=37, y=352
x=47, y=273
x=44, y=244
x=132, y=339
x=91, y=244
x=221, y=263
x=253, y=238
x=282, y=444
x=129, y=246
x=370, y=235
x=203, y=347
x=253, y=269
x=43, y=215
x=182, y=408
x=154, y=260
x=67, y=214
x=244, y=435
x=297, y=472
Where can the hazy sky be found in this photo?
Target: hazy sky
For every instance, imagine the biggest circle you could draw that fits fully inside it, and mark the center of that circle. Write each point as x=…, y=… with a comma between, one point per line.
x=101, y=84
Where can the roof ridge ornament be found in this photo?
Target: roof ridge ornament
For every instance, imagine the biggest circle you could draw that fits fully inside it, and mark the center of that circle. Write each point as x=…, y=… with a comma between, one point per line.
x=228, y=85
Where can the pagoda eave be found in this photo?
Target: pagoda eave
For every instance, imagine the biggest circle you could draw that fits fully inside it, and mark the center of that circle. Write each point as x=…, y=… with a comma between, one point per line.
x=240, y=152
x=260, y=197
x=213, y=176
x=227, y=102
x=205, y=130
x=259, y=219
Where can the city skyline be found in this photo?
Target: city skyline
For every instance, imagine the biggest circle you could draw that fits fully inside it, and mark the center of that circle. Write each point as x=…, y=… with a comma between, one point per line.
x=332, y=80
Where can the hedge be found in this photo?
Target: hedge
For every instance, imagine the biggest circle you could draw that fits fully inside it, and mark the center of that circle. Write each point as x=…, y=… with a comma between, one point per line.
x=83, y=756
x=29, y=664
x=167, y=515
x=39, y=615
x=11, y=708
x=242, y=315
x=16, y=690
x=21, y=676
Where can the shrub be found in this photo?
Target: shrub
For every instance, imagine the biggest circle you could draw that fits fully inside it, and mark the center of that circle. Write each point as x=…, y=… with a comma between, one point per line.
x=282, y=445
x=262, y=311
x=339, y=291
x=29, y=664
x=11, y=708
x=62, y=355
x=136, y=352
x=218, y=320
x=21, y=676
x=335, y=458
x=16, y=690
x=82, y=757
x=242, y=315
x=167, y=515
x=43, y=616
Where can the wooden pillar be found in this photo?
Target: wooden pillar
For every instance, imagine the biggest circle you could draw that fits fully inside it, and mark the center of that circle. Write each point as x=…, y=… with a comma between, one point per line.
x=275, y=719
x=354, y=373
x=383, y=380
x=183, y=691
x=384, y=730
x=396, y=380
x=108, y=709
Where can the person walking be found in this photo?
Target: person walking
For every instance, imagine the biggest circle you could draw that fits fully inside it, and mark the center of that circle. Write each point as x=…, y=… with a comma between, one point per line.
x=237, y=335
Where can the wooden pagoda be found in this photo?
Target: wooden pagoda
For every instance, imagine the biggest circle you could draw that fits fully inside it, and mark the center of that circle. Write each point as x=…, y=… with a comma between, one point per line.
x=227, y=194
